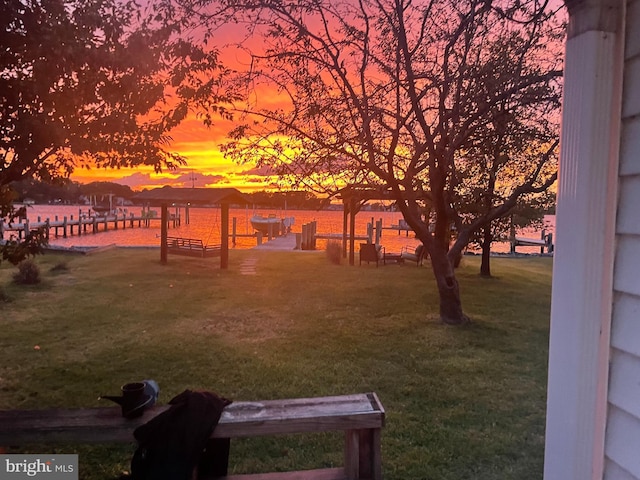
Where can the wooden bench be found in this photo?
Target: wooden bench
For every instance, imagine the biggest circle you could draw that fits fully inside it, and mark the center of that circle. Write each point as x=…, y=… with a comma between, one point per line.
x=192, y=247
x=359, y=416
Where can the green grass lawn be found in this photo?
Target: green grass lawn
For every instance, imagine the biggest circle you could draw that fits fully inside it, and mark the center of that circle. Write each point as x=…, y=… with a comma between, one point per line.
x=461, y=403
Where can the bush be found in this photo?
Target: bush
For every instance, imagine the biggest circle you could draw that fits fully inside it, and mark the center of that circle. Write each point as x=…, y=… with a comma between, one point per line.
x=334, y=252
x=28, y=273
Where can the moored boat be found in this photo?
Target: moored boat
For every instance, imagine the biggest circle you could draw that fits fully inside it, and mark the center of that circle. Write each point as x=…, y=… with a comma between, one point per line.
x=271, y=224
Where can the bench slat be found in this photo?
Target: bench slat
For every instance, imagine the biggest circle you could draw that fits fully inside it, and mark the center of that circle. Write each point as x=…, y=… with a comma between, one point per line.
x=322, y=474
x=240, y=419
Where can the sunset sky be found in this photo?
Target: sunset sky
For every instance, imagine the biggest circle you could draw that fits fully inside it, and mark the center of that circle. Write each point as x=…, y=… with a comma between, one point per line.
x=200, y=145
x=206, y=165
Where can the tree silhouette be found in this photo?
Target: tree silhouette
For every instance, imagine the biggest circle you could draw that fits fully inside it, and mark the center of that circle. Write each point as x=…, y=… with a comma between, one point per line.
x=397, y=95
x=97, y=84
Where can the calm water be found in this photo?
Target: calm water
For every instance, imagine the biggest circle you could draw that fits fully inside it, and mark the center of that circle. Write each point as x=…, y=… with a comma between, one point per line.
x=205, y=225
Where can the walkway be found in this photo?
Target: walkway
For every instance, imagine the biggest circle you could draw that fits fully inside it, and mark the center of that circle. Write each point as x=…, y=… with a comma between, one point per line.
x=285, y=242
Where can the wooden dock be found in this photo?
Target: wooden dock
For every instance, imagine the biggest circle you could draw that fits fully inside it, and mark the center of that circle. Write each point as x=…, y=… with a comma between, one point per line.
x=82, y=224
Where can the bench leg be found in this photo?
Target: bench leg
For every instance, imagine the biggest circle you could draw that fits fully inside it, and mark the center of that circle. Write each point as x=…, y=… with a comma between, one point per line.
x=214, y=461
x=362, y=454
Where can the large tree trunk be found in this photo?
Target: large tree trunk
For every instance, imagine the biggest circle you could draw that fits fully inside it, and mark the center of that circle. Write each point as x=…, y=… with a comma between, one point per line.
x=487, y=238
x=448, y=289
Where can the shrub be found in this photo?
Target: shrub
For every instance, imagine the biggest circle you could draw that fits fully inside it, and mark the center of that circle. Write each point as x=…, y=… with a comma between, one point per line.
x=334, y=252
x=28, y=273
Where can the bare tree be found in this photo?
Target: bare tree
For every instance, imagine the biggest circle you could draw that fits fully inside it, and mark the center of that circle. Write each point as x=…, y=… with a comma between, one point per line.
x=392, y=94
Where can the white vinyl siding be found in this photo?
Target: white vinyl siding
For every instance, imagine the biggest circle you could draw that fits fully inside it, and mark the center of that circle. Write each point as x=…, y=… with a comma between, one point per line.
x=622, y=441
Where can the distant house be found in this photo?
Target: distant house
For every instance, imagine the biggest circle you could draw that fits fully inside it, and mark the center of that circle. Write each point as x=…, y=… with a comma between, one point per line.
x=593, y=407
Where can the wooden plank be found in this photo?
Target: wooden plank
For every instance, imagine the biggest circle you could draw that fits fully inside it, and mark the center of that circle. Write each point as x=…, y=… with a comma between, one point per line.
x=240, y=419
x=351, y=453
x=322, y=474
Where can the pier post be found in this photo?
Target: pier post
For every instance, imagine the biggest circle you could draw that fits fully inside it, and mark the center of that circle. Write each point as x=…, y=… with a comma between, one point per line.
x=305, y=236
x=1, y=228
x=47, y=228
x=345, y=225
x=80, y=225
x=224, y=241
x=314, y=230
x=64, y=227
x=26, y=227
x=164, y=226
x=233, y=230
x=352, y=231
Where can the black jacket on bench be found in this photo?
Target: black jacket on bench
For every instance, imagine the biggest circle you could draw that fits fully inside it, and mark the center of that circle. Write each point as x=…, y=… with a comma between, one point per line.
x=170, y=445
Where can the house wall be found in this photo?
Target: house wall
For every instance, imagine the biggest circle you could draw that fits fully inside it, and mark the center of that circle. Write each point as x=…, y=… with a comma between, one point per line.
x=622, y=438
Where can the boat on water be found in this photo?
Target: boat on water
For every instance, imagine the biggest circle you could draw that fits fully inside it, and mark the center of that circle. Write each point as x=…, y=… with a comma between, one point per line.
x=271, y=224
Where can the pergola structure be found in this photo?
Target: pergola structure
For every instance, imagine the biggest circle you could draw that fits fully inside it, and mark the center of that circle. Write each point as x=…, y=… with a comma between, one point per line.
x=354, y=197
x=224, y=197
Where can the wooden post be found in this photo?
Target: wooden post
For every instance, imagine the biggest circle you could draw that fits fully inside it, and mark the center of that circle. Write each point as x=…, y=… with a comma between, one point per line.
x=1, y=228
x=345, y=223
x=64, y=227
x=224, y=241
x=164, y=219
x=314, y=230
x=233, y=231
x=80, y=224
x=352, y=231
x=305, y=236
